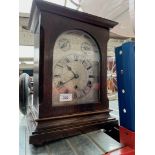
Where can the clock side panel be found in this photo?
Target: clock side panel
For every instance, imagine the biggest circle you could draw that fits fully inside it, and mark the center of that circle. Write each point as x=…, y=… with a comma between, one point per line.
x=103, y=68
x=36, y=85
x=53, y=26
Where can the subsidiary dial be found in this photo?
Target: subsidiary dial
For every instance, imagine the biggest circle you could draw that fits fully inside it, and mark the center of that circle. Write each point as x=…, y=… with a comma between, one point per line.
x=64, y=44
x=85, y=47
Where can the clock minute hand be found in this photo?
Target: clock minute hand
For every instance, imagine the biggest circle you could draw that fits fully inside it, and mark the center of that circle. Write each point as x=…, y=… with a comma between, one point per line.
x=68, y=80
x=60, y=84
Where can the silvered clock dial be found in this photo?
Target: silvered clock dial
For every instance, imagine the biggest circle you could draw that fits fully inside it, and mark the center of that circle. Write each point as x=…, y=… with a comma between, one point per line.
x=76, y=66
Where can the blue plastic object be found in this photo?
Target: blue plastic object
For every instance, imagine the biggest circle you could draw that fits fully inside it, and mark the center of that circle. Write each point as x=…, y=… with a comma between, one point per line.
x=125, y=68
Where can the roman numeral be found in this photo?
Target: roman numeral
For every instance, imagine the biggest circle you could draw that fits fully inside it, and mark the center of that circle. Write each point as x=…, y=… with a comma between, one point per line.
x=75, y=58
x=89, y=67
x=75, y=95
x=56, y=75
x=91, y=76
x=60, y=84
x=83, y=61
x=59, y=65
x=89, y=84
x=83, y=91
x=67, y=60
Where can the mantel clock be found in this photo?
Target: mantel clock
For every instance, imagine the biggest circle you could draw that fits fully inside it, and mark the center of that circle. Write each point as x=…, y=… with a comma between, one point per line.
x=70, y=59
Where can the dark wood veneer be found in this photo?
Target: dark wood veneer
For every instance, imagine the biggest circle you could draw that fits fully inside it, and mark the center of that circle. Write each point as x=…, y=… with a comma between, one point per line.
x=47, y=22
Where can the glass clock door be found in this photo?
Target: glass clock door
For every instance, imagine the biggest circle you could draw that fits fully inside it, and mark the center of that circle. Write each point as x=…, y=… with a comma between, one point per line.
x=76, y=69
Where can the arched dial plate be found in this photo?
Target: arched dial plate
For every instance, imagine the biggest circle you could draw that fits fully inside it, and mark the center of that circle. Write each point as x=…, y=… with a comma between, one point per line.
x=76, y=71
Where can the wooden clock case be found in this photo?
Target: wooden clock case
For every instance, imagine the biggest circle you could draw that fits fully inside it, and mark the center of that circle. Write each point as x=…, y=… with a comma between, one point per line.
x=47, y=122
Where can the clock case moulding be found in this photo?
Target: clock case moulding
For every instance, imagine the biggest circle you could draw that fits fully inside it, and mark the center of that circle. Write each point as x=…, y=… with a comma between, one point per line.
x=47, y=122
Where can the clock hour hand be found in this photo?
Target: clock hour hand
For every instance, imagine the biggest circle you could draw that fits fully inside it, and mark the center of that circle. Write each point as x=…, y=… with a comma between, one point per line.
x=70, y=69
